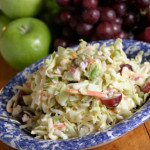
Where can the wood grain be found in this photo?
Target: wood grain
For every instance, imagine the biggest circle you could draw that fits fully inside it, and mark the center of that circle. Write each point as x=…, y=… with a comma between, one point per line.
x=137, y=139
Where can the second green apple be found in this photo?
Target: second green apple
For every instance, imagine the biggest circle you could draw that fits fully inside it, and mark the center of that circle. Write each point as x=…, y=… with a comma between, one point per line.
x=25, y=41
x=21, y=8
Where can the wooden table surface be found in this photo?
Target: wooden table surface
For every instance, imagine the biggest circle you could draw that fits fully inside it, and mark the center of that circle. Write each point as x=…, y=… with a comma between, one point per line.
x=137, y=139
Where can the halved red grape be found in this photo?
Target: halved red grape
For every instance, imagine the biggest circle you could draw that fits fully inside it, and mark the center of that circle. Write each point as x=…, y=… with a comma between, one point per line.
x=20, y=98
x=112, y=102
x=125, y=65
x=146, y=87
x=26, y=112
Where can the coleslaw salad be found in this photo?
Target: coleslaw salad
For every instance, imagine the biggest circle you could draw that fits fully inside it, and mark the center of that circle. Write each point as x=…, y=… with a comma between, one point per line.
x=76, y=93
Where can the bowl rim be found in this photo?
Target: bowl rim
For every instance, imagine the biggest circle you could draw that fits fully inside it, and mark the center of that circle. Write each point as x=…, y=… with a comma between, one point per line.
x=97, y=138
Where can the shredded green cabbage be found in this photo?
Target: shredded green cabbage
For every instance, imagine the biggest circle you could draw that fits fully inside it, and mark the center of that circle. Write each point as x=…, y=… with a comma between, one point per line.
x=65, y=97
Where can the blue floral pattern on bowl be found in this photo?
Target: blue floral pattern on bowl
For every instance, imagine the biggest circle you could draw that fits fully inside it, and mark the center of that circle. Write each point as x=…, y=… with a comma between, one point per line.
x=17, y=138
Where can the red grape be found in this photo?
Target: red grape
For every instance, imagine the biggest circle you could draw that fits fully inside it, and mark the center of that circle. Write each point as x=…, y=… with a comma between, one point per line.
x=147, y=34
x=67, y=32
x=63, y=2
x=120, y=8
x=84, y=29
x=116, y=28
x=140, y=36
x=77, y=2
x=60, y=42
x=90, y=3
x=74, y=21
x=105, y=19
x=57, y=19
x=65, y=17
x=148, y=17
x=142, y=22
x=107, y=14
x=129, y=19
x=29, y=113
x=112, y=102
x=20, y=100
x=146, y=87
x=121, y=35
x=119, y=1
x=118, y=20
x=143, y=3
x=104, y=30
x=125, y=65
x=91, y=15
x=94, y=37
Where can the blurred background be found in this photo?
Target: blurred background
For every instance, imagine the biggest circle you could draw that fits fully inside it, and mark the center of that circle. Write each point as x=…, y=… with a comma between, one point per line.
x=91, y=20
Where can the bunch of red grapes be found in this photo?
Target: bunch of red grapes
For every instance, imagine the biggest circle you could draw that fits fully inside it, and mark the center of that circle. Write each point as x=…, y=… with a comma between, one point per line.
x=102, y=19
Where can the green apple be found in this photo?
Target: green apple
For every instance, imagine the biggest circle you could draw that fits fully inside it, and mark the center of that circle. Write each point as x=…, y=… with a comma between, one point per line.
x=4, y=20
x=21, y=8
x=25, y=41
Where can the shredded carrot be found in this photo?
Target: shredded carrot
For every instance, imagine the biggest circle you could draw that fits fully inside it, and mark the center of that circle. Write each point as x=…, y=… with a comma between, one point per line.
x=73, y=91
x=125, y=98
x=91, y=61
x=10, y=109
x=28, y=84
x=100, y=101
x=73, y=55
x=134, y=75
x=88, y=93
x=71, y=67
x=59, y=125
x=106, y=67
x=42, y=94
x=97, y=94
x=64, y=58
x=115, y=111
x=41, y=68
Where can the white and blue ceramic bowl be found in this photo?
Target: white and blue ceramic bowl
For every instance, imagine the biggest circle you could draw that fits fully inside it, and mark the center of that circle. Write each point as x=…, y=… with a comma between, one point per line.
x=15, y=137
